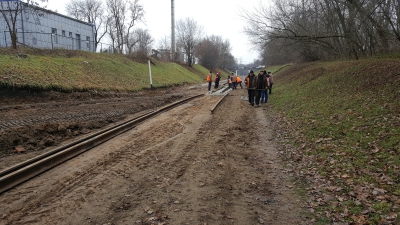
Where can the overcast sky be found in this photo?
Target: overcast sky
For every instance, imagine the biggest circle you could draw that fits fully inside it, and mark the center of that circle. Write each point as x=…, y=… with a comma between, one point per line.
x=217, y=17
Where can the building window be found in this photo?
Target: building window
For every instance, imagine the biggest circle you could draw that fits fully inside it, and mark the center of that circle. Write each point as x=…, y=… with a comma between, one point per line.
x=63, y=33
x=88, y=42
x=70, y=34
x=78, y=41
x=54, y=37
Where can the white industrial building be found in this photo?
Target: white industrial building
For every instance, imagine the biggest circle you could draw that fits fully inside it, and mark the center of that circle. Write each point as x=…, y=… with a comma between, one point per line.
x=41, y=28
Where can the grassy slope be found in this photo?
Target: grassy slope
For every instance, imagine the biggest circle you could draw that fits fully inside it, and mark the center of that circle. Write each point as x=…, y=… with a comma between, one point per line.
x=343, y=119
x=205, y=72
x=71, y=70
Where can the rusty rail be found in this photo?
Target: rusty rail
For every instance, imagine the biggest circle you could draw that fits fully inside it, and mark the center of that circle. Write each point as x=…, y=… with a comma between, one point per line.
x=19, y=173
x=218, y=103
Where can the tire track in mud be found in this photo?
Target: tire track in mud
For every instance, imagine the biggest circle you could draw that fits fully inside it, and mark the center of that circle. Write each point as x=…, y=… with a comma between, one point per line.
x=38, y=128
x=134, y=146
x=183, y=167
x=49, y=113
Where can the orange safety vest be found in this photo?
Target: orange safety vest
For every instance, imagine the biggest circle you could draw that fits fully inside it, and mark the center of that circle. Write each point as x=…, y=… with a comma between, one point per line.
x=238, y=80
x=209, y=78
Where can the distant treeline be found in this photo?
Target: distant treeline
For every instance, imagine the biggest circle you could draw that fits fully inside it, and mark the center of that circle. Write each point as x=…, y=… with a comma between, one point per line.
x=309, y=30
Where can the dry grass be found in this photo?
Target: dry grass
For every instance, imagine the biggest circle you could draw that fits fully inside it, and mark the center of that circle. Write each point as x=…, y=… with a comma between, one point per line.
x=342, y=123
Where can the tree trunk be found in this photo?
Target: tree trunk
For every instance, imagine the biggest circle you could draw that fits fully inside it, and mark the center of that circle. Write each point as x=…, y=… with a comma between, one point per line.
x=14, y=40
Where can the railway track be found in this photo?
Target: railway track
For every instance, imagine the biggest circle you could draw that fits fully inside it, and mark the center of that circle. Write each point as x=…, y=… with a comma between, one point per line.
x=24, y=171
x=84, y=111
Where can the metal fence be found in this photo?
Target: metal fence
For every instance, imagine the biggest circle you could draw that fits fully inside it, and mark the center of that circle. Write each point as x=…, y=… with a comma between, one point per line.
x=54, y=41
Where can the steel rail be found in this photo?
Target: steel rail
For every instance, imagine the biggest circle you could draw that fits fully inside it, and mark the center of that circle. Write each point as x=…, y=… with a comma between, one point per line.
x=218, y=103
x=26, y=170
x=42, y=156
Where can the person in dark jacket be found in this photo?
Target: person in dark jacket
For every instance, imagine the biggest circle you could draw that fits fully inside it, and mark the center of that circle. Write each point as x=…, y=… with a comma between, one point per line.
x=261, y=85
x=234, y=80
x=271, y=81
x=263, y=91
x=251, y=86
x=217, y=79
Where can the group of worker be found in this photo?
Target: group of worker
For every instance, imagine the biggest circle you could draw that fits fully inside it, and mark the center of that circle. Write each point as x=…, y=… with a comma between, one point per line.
x=258, y=87
x=233, y=81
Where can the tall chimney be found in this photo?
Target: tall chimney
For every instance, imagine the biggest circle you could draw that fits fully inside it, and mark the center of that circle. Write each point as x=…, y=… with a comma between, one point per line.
x=172, y=30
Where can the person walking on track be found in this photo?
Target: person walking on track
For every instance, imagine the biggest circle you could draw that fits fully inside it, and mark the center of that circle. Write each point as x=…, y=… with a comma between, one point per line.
x=262, y=84
x=239, y=82
x=217, y=79
x=209, y=80
x=230, y=82
x=251, y=86
x=234, y=80
x=271, y=81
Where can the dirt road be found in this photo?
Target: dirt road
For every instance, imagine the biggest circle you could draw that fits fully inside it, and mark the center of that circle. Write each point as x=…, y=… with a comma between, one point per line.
x=187, y=166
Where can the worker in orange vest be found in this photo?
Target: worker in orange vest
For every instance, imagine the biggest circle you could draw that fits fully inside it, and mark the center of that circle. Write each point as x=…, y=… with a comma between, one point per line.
x=251, y=84
x=239, y=81
x=209, y=80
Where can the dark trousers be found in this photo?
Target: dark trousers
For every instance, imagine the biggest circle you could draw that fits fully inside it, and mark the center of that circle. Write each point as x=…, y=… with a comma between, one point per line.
x=270, y=88
x=209, y=86
x=258, y=96
x=251, y=96
x=216, y=84
x=240, y=83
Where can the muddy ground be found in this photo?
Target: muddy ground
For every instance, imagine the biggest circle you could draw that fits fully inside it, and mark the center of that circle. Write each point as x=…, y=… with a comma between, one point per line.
x=33, y=123
x=186, y=166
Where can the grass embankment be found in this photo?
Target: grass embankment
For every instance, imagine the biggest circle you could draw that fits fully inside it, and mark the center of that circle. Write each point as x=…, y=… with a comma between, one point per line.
x=203, y=72
x=65, y=70
x=342, y=120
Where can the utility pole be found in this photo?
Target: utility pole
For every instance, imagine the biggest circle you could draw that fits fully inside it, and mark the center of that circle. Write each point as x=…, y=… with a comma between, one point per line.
x=172, y=30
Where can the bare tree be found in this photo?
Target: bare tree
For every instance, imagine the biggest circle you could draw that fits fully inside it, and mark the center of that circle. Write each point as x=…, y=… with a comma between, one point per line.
x=140, y=42
x=131, y=42
x=230, y=62
x=164, y=47
x=188, y=35
x=224, y=51
x=325, y=29
x=116, y=23
x=207, y=53
x=144, y=41
x=112, y=33
x=164, y=43
x=213, y=51
x=90, y=11
x=10, y=11
x=122, y=17
x=391, y=12
x=136, y=13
